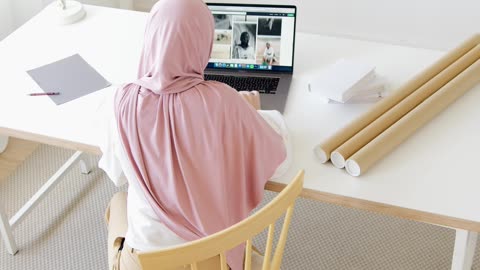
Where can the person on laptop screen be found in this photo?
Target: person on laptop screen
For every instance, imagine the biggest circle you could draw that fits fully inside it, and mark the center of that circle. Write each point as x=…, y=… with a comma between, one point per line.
x=196, y=155
x=244, y=50
x=268, y=54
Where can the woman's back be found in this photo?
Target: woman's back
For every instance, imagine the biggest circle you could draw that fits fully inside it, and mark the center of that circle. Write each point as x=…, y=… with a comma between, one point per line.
x=199, y=153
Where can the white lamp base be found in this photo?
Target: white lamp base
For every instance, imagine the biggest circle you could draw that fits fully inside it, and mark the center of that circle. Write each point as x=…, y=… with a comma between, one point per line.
x=72, y=13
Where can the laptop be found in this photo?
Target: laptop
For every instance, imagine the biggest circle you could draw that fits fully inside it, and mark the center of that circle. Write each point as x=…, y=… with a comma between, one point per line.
x=254, y=49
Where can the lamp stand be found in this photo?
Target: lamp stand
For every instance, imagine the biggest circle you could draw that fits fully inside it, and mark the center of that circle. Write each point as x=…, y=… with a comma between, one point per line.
x=68, y=11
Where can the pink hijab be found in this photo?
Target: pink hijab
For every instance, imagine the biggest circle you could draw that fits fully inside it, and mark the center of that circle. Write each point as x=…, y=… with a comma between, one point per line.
x=201, y=153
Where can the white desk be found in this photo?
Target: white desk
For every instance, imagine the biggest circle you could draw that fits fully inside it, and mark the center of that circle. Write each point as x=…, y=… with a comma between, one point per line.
x=421, y=180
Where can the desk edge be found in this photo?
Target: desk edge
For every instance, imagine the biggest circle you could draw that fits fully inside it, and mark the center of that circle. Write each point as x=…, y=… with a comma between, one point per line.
x=381, y=208
x=324, y=197
x=50, y=141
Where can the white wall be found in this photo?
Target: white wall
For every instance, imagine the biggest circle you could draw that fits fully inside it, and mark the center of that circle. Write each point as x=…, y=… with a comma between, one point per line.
x=436, y=24
x=14, y=13
x=23, y=10
x=127, y=4
x=6, y=20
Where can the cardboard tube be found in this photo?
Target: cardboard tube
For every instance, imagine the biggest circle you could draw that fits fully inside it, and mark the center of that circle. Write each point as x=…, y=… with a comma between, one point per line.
x=362, y=160
x=324, y=149
x=387, y=119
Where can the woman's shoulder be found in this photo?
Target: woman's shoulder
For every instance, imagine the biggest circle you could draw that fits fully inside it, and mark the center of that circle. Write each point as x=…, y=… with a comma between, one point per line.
x=224, y=92
x=219, y=87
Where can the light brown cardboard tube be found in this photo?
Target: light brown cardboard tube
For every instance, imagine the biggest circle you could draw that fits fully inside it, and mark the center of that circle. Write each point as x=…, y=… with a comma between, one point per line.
x=387, y=119
x=362, y=160
x=324, y=149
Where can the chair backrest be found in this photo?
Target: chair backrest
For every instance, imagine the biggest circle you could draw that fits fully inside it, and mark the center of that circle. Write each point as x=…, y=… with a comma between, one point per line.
x=190, y=254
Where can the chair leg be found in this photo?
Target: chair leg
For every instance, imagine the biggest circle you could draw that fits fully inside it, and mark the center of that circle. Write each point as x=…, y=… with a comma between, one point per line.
x=3, y=143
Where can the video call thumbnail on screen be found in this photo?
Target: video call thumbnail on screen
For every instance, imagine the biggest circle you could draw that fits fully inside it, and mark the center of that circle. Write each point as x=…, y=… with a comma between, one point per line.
x=252, y=39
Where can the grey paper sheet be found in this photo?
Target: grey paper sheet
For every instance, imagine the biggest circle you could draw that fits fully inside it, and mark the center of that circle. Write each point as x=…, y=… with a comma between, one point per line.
x=73, y=77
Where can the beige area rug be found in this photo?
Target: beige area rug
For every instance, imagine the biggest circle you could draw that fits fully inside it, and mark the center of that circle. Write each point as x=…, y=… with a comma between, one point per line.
x=67, y=230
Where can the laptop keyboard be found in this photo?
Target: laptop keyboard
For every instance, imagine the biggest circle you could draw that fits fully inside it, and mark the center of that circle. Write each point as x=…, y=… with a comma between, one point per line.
x=264, y=85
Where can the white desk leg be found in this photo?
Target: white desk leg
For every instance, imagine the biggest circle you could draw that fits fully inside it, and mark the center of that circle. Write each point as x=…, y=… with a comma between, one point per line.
x=6, y=233
x=6, y=226
x=465, y=243
x=44, y=190
x=85, y=164
x=3, y=143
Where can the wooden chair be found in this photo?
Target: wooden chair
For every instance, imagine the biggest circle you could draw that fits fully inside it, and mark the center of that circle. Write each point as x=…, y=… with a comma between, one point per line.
x=189, y=255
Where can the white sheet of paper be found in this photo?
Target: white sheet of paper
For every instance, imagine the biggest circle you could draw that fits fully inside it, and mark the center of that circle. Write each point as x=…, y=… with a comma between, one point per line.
x=72, y=77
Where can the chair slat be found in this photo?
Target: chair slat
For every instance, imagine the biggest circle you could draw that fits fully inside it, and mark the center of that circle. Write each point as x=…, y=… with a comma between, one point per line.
x=277, y=257
x=194, y=266
x=268, y=249
x=223, y=261
x=248, y=255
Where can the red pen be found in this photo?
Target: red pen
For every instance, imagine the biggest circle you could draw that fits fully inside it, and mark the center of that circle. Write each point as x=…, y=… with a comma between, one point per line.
x=45, y=94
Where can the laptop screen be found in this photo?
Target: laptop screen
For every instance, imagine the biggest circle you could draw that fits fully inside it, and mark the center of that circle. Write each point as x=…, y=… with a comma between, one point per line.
x=253, y=37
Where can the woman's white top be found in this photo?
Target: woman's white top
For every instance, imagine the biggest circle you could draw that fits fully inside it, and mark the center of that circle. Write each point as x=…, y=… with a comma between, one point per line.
x=145, y=231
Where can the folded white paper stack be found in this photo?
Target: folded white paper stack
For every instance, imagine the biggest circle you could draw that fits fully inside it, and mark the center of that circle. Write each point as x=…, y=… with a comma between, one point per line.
x=348, y=82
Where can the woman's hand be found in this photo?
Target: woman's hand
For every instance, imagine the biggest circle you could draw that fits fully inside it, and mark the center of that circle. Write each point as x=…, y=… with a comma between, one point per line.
x=252, y=97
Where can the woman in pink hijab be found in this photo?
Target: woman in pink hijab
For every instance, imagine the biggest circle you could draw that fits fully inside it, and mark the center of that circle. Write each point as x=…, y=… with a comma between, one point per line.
x=195, y=154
